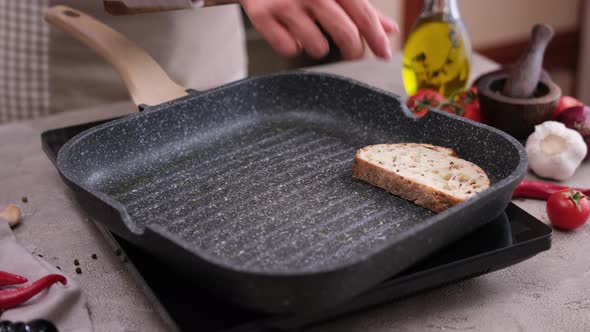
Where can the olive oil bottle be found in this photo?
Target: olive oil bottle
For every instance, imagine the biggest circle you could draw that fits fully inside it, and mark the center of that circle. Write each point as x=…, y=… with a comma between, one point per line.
x=437, y=54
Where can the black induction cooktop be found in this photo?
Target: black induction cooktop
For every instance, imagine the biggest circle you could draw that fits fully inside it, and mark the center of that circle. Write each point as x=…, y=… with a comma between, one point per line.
x=511, y=238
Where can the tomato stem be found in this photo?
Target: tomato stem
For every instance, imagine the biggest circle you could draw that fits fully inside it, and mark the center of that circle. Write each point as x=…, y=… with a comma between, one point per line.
x=576, y=197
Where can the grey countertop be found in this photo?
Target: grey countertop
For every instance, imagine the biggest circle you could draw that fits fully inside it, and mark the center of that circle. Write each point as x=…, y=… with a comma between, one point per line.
x=550, y=292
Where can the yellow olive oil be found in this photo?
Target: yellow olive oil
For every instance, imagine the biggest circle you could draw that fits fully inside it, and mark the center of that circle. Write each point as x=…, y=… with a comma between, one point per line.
x=436, y=56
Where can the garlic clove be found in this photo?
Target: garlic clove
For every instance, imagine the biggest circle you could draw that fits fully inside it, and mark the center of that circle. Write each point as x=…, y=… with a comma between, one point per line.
x=11, y=214
x=555, y=151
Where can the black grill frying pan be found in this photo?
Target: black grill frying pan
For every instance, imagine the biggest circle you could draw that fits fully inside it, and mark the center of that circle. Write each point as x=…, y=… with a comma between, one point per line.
x=248, y=187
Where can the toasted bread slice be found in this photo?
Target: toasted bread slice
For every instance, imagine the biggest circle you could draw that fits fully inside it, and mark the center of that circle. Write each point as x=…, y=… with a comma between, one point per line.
x=431, y=176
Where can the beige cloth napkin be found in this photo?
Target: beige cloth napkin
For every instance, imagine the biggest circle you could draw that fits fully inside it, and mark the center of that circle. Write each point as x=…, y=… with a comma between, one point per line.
x=65, y=306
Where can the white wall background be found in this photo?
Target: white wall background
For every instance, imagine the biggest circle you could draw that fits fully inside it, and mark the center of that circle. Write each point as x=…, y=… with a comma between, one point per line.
x=492, y=22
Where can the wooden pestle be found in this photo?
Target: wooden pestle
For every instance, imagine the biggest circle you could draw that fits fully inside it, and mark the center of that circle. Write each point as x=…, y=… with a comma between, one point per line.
x=525, y=74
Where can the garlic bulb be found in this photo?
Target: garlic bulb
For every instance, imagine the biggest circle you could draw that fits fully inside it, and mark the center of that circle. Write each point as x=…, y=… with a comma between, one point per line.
x=555, y=151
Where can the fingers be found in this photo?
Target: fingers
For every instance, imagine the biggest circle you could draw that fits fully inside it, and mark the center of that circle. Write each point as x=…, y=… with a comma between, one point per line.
x=388, y=24
x=289, y=25
x=304, y=30
x=369, y=24
x=279, y=38
x=263, y=20
x=332, y=17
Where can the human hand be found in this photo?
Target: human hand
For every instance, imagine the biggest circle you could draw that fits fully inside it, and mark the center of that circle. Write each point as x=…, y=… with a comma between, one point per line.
x=292, y=25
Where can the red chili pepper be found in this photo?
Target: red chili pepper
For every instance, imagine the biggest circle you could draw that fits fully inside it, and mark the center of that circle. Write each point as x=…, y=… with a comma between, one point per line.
x=7, y=279
x=540, y=190
x=13, y=297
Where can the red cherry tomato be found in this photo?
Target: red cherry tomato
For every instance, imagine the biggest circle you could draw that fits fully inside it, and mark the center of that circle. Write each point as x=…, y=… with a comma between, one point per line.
x=472, y=112
x=465, y=104
x=424, y=98
x=568, y=209
x=564, y=103
x=469, y=101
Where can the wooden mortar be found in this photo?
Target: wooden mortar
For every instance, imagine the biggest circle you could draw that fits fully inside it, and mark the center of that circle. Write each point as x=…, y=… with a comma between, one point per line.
x=516, y=116
x=517, y=99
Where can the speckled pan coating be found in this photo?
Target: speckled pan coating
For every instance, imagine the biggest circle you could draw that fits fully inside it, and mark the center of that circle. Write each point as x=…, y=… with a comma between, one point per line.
x=249, y=187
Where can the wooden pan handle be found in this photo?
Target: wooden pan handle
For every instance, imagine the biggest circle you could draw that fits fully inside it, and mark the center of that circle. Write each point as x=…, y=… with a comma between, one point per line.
x=145, y=80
